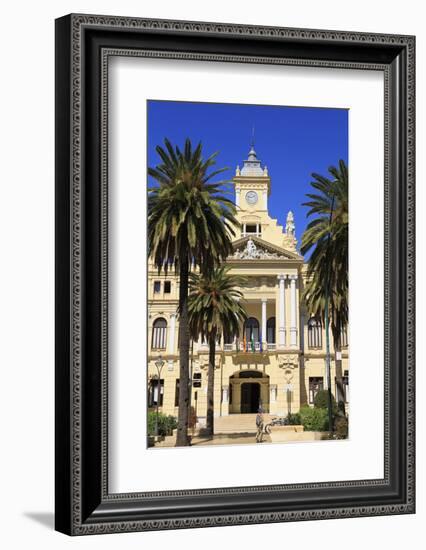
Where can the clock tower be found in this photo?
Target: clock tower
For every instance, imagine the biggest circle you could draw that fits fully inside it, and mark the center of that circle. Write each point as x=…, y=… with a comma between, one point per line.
x=252, y=189
x=252, y=185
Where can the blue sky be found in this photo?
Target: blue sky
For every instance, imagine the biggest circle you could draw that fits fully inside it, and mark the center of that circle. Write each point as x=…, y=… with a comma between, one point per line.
x=292, y=141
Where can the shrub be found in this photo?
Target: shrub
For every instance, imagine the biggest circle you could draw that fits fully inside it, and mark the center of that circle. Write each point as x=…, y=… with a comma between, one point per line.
x=321, y=401
x=293, y=419
x=166, y=423
x=314, y=419
x=341, y=427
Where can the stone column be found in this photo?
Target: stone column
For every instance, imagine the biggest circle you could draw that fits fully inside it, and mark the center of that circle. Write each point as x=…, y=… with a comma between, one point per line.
x=302, y=331
x=273, y=399
x=224, y=406
x=293, y=311
x=281, y=329
x=225, y=394
x=172, y=333
x=289, y=396
x=264, y=301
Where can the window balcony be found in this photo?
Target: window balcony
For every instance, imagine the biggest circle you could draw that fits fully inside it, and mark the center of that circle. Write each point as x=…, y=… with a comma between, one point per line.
x=258, y=347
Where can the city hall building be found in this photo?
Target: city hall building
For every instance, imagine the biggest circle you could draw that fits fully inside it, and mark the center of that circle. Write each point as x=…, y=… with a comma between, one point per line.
x=279, y=360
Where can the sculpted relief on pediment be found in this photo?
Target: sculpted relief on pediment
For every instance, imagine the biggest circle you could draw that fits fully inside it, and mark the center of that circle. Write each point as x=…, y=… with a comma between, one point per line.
x=253, y=252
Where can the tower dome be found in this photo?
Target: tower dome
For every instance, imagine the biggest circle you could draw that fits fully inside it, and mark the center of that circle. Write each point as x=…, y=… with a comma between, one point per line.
x=251, y=166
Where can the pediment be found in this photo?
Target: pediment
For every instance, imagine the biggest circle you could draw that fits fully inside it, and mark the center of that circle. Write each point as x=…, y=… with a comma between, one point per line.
x=255, y=248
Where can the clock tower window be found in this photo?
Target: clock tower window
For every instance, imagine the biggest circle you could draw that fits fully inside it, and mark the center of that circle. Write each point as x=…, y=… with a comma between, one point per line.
x=252, y=230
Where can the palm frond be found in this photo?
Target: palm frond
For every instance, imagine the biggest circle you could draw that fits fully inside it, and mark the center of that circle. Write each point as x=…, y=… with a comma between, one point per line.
x=188, y=215
x=327, y=237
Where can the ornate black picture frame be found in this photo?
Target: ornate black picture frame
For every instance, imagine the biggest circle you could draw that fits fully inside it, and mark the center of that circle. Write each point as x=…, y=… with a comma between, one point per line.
x=83, y=46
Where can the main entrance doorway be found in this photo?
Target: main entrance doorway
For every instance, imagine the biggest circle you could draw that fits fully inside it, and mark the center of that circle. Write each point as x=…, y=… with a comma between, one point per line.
x=248, y=390
x=250, y=397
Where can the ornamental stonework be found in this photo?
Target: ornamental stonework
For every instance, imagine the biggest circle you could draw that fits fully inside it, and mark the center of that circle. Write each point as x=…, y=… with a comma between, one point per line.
x=252, y=252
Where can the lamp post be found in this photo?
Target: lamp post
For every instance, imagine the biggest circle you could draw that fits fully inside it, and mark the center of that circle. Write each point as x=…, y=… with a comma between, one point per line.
x=159, y=365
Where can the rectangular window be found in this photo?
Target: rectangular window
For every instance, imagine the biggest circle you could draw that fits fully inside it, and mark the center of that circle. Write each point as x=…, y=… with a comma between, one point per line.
x=167, y=287
x=316, y=384
x=251, y=229
x=177, y=393
x=153, y=394
x=157, y=287
x=197, y=380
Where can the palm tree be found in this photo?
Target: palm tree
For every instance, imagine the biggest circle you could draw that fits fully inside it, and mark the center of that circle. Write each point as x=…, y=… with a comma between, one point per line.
x=326, y=290
x=214, y=309
x=190, y=223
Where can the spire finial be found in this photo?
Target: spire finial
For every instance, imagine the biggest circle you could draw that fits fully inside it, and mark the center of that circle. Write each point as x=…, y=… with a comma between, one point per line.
x=252, y=165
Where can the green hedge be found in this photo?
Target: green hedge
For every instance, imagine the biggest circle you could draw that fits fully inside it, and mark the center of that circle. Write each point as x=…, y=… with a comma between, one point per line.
x=321, y=401
x=340, y=422
x=293, y=419
x=314, y=419
x=166, y=423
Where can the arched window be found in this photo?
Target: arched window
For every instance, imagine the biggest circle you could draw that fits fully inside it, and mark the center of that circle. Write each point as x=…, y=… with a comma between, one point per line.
x=159, y=333
x=344, y=337
x=251, y=330
x=270, y=330
x=314, y=333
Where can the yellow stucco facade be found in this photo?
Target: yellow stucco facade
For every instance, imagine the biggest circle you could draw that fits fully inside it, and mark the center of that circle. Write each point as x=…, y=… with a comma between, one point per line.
x=279, y=359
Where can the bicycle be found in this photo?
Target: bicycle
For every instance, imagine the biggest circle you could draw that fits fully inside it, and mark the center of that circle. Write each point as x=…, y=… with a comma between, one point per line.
x=277, y=421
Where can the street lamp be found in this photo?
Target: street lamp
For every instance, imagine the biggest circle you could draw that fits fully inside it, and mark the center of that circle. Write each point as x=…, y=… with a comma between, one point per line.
x=159, y=365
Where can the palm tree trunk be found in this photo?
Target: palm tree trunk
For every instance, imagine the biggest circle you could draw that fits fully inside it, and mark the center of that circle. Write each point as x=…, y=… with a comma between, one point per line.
x=183, y=415
x=210, y=385
x=340, y=391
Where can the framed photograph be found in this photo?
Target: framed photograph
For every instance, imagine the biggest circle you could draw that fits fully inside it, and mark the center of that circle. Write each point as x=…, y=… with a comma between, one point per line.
x=234, y=274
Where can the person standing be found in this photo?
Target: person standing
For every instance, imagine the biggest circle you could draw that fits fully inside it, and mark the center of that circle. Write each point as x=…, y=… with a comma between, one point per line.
x=259, y=425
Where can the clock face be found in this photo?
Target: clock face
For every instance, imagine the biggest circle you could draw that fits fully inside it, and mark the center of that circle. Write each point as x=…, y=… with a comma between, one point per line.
x=251, y=197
